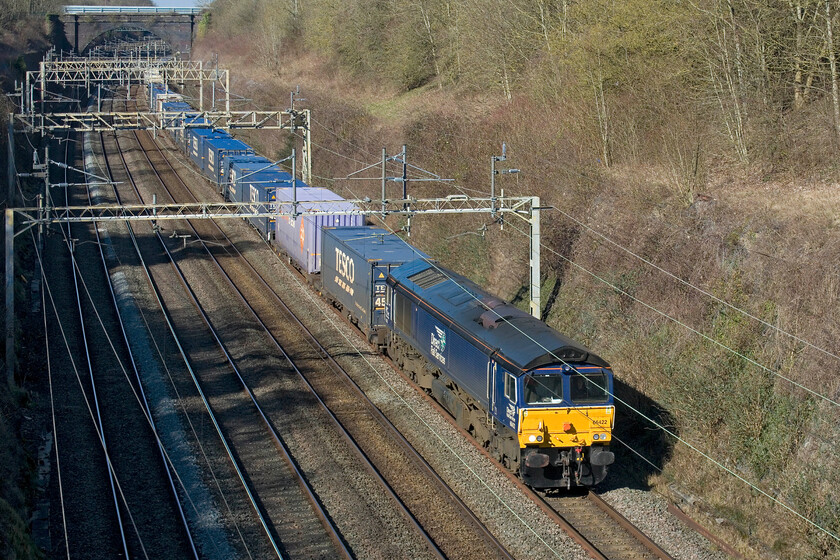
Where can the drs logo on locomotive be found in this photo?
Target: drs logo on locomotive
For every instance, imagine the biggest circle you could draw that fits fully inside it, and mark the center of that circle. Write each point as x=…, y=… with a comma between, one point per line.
x=438, y=344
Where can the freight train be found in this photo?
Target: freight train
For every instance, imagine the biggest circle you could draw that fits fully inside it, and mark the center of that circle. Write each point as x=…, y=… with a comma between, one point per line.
x=538, y=401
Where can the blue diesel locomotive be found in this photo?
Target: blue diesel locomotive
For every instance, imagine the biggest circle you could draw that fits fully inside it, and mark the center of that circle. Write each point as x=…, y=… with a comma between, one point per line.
x=540, y=402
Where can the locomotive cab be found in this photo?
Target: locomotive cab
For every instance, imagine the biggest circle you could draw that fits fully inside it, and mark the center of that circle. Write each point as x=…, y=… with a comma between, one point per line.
x=565, y=425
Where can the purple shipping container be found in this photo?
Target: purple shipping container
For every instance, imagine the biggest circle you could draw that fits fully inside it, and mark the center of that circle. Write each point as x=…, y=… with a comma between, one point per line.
x=300, y=238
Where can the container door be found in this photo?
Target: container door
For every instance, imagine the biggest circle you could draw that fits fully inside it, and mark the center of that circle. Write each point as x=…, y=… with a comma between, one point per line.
x=380, y=275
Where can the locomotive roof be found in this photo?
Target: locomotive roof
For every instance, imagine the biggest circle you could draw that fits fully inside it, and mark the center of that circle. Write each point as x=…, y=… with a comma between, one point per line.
x=517, y=338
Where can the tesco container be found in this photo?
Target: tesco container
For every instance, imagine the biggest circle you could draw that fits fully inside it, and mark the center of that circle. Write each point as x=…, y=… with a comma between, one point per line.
x=355, y=265
x=300, y=237
x=217, y=149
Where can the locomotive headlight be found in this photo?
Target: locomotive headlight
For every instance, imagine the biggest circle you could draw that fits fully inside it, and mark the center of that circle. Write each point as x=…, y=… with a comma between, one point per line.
x=596, y=437
x=539, y=438
x=603, y=436
x=532, y=438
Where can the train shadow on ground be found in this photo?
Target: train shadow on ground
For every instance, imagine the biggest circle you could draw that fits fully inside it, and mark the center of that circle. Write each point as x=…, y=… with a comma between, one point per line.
x=641, y=448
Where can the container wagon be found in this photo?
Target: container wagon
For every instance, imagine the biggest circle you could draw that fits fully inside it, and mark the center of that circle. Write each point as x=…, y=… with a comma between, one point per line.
x=196, y=138
x=240, y=167
x=260, y=188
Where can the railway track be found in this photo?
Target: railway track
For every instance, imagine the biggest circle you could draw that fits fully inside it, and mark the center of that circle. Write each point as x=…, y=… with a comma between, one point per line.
x=450, y=524
x=382, y=543
x=102, y=434
x=601, y=530
x=138, y=390
x=92, y=516
x=288, y=523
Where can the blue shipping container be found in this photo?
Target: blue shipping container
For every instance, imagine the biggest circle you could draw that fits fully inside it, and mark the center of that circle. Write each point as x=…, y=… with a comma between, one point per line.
x=171, y=123
x=354, y=270
x=216, y=149
x=300, y=238
x=196, y=136
x=182, y=135
x=261, y=187
x=237, y=166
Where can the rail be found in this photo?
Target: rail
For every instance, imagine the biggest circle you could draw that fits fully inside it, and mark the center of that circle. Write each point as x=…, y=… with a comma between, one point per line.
x=147, y=410
x=226, y=444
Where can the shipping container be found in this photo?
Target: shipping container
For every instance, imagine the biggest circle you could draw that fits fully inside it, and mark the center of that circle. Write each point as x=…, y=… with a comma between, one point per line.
x=261, y=187
x=239, y=166
x=300, y=237
x=216, y=150
x=355, y=265
x=169, y=97
x=182, y=134
x=196, y=140
x=174, y=121
x=160, y=94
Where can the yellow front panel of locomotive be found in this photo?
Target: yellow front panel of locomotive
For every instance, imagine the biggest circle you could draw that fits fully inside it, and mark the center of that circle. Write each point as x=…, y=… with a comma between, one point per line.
x=566, y=427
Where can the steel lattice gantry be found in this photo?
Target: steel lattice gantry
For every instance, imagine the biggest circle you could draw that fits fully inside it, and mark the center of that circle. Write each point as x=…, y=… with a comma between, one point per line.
x=86, y=72
x=165, y=120
x=297, y=121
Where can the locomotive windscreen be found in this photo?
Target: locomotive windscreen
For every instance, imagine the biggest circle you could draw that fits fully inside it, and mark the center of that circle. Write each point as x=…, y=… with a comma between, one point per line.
x=544, y=388
x=589, y=388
